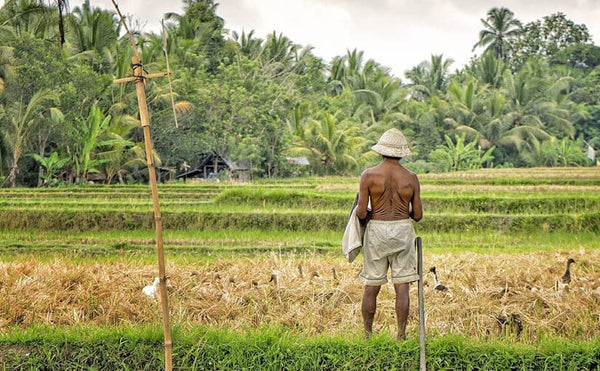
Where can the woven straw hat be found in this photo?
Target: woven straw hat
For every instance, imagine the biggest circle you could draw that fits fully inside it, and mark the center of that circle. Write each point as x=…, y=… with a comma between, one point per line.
x=392, y=144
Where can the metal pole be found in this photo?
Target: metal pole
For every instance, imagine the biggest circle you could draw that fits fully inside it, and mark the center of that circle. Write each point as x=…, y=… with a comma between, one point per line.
x=422, y=360
x=145, y=121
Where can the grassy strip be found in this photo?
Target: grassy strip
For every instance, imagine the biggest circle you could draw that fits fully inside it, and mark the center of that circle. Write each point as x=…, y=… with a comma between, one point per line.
x=275, y=349
x=545, y=203
x=245, y=199
x=182, y=245
x=284, y=221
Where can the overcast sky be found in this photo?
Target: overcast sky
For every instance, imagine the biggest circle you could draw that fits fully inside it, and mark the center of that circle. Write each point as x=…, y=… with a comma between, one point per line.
x=396, y=33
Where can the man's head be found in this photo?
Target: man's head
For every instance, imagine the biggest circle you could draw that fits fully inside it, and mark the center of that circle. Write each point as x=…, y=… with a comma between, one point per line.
x=392, y=144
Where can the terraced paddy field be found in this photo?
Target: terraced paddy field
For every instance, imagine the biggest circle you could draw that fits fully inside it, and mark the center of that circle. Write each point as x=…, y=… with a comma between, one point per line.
x=74, y=261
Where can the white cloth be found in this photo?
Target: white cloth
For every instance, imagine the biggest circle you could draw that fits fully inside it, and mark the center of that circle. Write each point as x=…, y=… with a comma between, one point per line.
x=353, y=237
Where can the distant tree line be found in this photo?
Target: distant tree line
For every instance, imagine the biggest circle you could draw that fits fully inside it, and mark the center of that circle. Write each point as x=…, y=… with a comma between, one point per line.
x=528, y=97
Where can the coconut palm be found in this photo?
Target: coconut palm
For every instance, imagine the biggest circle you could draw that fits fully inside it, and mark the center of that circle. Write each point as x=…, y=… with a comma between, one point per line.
x=347, y=71
x=27, y=17
x=500, y=31
x=466, y=103
x=249, y=45
x=93, y=32
x=460, y=156
x=117, y=153
x=334, y=141
x=430, y=77
x=489, y=69
x=540, y=105
x=381, y=103
x=19, y=120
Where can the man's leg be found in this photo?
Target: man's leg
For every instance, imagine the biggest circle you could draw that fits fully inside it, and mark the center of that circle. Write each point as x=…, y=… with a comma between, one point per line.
x=369, y=306
x=402, y=306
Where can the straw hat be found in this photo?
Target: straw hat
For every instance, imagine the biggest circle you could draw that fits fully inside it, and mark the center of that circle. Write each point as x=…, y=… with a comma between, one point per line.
x=392, y=144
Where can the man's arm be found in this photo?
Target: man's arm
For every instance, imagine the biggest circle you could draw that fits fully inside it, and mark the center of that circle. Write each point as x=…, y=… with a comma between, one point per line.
x=363, y=197
x=417, y=208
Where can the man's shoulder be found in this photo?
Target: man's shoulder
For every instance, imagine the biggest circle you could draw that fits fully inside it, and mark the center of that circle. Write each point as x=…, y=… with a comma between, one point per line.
x=412, y=174
x=369, y=171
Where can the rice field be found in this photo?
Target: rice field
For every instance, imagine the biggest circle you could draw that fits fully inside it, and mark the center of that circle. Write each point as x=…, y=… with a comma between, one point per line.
x=244, y=256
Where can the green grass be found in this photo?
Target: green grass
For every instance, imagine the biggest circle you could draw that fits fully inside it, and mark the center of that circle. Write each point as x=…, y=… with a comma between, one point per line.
x=141, y=348
x=205, y=246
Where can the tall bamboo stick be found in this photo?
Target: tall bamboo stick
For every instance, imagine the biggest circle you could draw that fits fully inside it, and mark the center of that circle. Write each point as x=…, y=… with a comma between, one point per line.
x=145, y=121
x=138, y=78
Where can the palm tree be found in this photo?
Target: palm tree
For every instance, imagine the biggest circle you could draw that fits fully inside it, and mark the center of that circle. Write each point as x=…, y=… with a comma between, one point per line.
x=335, y=142
x=489, y=69
x=501, y=29
x=347, y=71
x=430, y=77
x=117, y=152
x=249, y=45
x=20, y=120
x=94, y=30
x=540, y=104
x=381, y=101
x=465, y=101
x=460, y=156
x=27, y=17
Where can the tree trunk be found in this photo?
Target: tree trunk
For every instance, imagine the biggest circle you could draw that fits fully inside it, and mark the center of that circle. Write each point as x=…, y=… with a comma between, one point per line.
x=61, y=24
x=14, y=169
x=12, y=176
x=43, y=139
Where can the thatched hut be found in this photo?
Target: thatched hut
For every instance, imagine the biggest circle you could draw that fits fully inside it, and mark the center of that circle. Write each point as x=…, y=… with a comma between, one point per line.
x=211, y=164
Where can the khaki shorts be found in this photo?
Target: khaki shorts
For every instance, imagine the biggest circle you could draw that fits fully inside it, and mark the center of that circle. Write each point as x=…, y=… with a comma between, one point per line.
x=389, y=244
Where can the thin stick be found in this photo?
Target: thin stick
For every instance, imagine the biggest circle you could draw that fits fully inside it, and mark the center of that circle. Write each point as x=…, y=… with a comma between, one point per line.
x=162, y=21
x=422, y=360
x=131, y=40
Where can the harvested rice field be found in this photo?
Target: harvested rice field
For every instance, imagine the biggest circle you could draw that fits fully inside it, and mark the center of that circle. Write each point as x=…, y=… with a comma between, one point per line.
x=261, y=257
x=314, y=295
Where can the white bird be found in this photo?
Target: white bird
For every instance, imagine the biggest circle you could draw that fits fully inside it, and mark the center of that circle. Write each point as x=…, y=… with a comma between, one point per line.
x=150, y=290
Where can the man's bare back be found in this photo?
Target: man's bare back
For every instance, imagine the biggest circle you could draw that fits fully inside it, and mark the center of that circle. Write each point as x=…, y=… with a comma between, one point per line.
x=394, y=192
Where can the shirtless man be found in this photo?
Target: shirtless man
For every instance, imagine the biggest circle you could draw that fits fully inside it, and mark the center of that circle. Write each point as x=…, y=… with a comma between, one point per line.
x=395, y=198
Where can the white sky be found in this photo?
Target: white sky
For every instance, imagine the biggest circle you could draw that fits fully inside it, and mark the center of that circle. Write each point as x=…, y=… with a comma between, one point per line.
x=396, y=33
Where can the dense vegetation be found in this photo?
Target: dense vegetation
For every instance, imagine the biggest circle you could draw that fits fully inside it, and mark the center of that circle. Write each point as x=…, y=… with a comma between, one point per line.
x=529, y=97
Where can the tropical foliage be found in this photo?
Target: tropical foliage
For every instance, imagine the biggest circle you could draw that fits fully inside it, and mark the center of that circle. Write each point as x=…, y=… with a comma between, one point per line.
x=529, y=98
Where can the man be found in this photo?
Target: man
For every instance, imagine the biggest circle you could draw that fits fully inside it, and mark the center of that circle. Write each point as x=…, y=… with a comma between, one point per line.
x=395, y=198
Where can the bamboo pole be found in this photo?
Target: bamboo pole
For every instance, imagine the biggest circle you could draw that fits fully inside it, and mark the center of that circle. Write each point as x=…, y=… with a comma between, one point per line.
x=145, y=121
x=422, y=360
x=139, y=77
